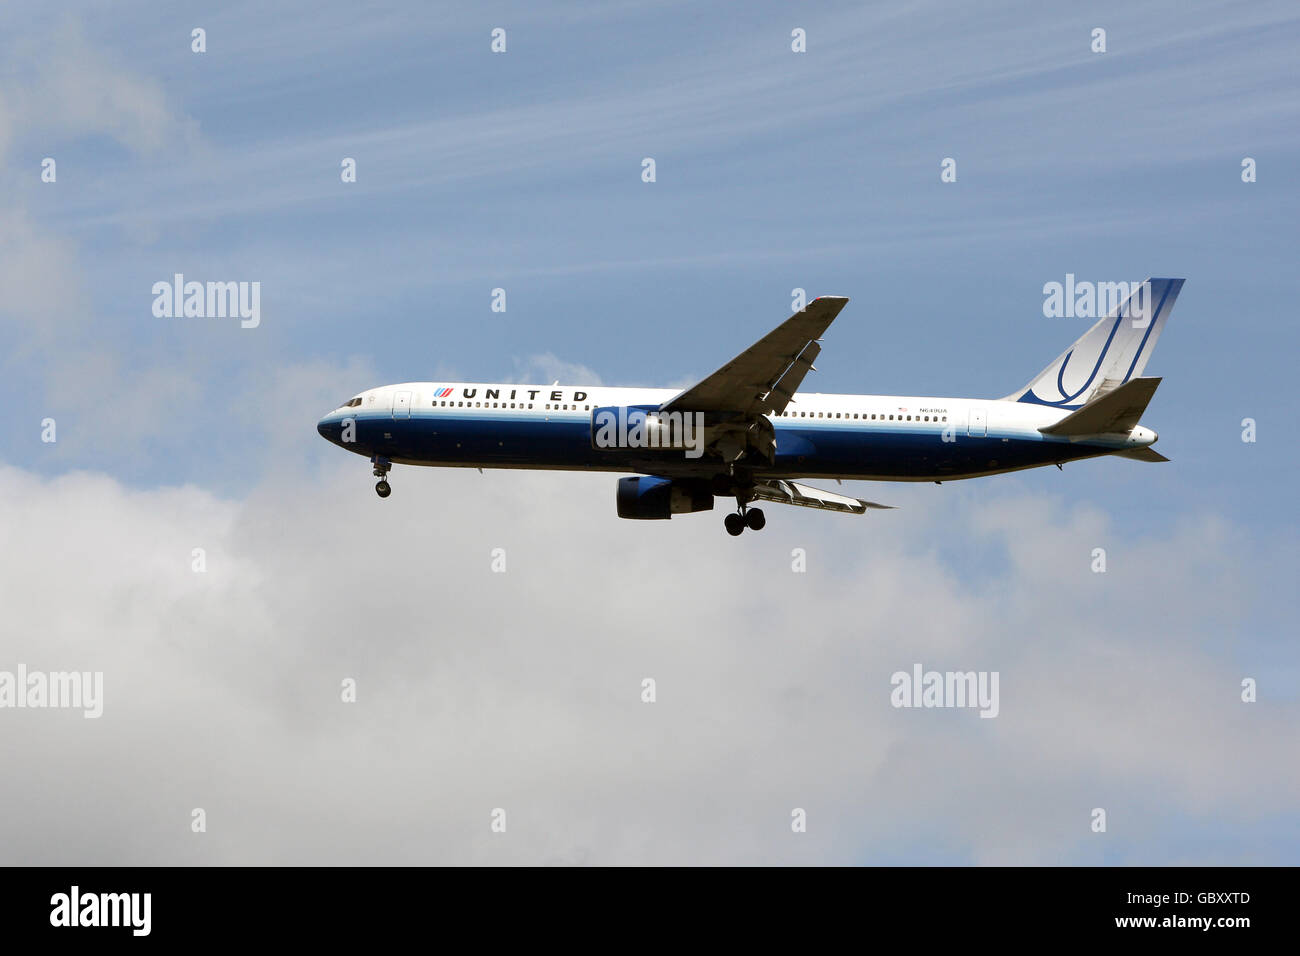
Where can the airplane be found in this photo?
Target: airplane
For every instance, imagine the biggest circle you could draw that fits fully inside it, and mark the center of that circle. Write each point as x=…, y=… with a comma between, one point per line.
x=747, y=432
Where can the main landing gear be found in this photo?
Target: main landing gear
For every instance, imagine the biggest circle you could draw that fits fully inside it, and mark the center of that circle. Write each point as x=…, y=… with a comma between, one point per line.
x=741, y=484
x=382, y=465
x=745, y=517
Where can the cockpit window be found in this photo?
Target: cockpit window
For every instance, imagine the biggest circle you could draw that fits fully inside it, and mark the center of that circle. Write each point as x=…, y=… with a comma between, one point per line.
x=352, y=404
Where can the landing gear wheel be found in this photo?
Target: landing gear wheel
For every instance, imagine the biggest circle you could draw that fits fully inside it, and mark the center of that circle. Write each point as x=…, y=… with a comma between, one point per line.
x=382, y=467
x=754, y=519
x=735, y=524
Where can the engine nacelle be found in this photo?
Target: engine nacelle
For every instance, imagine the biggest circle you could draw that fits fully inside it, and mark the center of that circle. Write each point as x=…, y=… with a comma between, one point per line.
x=647, y=498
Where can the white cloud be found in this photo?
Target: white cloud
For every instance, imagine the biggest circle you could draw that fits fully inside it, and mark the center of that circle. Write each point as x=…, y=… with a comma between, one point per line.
x=63, y=88
x=38, y=272
x=66, y=86
x=546, y=367
x=521, y=690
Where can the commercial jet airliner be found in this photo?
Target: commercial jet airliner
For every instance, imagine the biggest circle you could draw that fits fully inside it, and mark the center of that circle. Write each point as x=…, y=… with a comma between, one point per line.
x=747, y=433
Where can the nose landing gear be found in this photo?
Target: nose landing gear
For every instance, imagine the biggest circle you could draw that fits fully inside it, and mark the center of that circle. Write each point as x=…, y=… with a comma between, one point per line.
x=382, y=466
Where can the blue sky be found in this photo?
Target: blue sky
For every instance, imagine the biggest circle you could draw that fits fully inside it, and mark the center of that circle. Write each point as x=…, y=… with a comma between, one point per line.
x=775, y=170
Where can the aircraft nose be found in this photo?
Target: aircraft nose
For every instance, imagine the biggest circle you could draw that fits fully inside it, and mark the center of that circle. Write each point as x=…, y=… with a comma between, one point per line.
x=329, y=427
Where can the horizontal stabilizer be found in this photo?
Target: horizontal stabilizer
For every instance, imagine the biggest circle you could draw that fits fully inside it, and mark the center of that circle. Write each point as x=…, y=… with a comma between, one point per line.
x=1146, y=453
x=793, y=493
x=1117, y=411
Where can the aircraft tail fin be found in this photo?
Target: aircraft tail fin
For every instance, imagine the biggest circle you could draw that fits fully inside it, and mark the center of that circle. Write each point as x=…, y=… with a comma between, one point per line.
x=1111, y=353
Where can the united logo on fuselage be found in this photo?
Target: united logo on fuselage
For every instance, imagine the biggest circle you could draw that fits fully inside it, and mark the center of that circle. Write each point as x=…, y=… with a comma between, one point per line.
x=555, y=395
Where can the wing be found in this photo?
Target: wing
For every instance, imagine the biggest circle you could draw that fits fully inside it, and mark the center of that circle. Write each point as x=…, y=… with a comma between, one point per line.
x=761, y=379
x=793, y=493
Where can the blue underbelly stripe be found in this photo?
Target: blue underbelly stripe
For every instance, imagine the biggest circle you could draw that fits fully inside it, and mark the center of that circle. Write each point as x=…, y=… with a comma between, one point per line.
x=835, y=448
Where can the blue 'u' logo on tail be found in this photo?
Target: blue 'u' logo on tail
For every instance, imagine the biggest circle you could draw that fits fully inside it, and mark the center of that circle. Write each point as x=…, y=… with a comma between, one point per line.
x=1066, y=399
